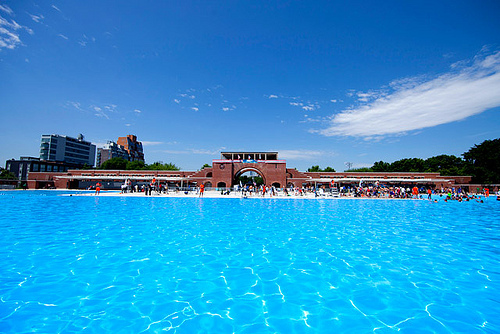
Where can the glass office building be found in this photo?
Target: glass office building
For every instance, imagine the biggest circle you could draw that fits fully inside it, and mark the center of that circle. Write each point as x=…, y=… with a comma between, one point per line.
x=75, y=151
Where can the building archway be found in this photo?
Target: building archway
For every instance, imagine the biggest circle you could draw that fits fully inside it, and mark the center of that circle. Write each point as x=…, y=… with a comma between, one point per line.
x=246, y=170
x=221, y=185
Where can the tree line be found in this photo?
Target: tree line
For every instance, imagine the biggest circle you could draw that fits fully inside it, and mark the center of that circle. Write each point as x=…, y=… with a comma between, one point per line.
x=122, y=164
x=482, y=162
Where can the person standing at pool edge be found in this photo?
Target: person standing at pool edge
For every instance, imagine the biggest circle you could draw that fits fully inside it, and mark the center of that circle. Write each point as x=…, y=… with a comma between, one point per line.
x=97, y=188
x=202, y=189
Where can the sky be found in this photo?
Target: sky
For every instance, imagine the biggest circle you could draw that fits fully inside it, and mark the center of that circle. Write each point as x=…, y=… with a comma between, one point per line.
x=321, y=82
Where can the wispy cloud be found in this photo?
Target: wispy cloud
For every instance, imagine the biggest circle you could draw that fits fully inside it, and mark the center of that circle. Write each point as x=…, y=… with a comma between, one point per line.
x=36, y=18
x=99, y=112
x=102, y=111
x=137, y=111
x=177, y=101
x=467, y=89
x=151, y=143
x=272, y=96
x=55, y=7
x=6, y=9
x=76, y=105
x=62, y=36
x=199, y=151
x=195, y=108
x=303, y=154
x=9, y=30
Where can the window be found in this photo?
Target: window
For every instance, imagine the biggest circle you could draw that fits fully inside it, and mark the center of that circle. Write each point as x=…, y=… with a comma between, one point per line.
x=36, y=167
x=42, y=168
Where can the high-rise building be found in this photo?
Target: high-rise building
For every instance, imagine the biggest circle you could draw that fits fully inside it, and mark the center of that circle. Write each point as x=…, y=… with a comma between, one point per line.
x=67, y=149
x=133, y=147
x=111, y=150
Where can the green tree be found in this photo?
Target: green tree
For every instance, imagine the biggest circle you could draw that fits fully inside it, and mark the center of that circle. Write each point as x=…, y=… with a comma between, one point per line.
x=381, y=167
x=6, y=174
x=206, y=166
x=408, y=165
x=135, y=165
x=329, y=169
x=114, y=163
x=244, y=179
x=86, y=166
x=362, y=169
x=161, y=166
x=445, y=165
x=314, y=169
x=483, y=162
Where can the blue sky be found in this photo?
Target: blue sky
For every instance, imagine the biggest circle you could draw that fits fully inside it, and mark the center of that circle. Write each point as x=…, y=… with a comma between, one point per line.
x=323, y=82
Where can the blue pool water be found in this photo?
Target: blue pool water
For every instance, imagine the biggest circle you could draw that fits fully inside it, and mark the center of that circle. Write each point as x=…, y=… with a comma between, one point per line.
x=188, y=265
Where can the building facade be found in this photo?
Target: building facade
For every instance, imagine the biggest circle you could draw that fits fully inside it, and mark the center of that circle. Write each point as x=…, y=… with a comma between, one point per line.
x=225, y=172
x=109, y=151
x=132, y=146
x=66, y=149
x=25, y=165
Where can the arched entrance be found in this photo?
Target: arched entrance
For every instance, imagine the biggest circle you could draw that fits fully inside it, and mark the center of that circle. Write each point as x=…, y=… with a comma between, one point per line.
x=249, y=175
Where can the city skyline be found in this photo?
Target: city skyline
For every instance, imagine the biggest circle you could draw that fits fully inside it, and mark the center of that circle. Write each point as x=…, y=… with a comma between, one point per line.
x=321, y=84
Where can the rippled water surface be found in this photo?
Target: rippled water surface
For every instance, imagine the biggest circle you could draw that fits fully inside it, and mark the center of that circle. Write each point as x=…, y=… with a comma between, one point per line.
x=188, y=265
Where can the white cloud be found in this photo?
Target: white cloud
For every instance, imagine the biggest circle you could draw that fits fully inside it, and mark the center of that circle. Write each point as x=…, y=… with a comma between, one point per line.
x=76, y=105
x=137, y=111
x=417, y=103
x=225, y=109
x=54, y=6
x=308, y=108
x=151, y=143
x=36, y=18
x=302, y=154
x=333, y=101
x=110, y=107
x=195, y=109
x=200, y=151
x=99, y=112
x=177, y=101
x=6, y=9
x=9, y=31
x=62, y=36
x=128, y=124
x=273, y=96
x=296, y=104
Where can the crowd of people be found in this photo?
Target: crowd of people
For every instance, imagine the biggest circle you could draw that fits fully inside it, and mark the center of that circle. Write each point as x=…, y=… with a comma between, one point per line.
x=375, y=190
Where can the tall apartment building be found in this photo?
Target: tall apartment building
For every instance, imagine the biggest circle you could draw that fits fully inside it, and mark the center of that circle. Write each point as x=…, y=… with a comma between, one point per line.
x=111, y=150
x=67, y=149
x=133, y=147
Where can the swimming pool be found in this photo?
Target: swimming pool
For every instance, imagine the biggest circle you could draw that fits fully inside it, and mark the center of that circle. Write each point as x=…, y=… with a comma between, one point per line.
x=123, y=264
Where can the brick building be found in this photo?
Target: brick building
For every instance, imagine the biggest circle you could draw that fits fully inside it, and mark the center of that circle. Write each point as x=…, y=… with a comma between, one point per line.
x=132, y=146
x=109, y=151
x=226, y=170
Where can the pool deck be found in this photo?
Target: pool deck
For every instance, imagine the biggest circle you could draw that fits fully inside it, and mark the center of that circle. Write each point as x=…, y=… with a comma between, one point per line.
x=215, y=194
